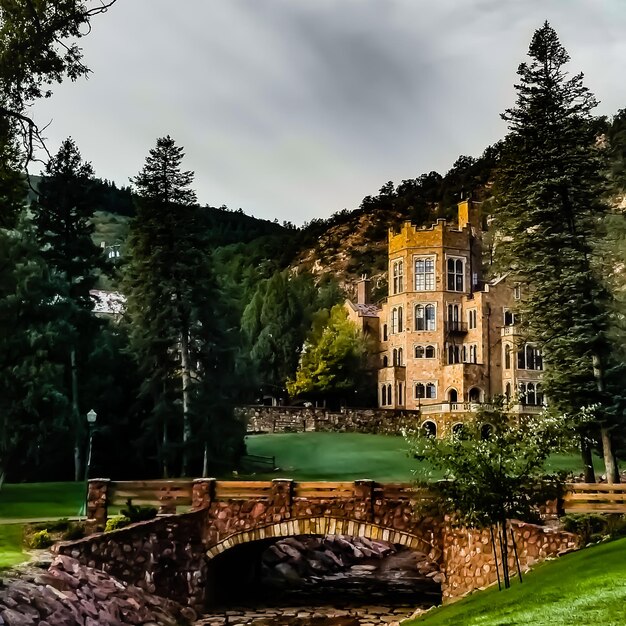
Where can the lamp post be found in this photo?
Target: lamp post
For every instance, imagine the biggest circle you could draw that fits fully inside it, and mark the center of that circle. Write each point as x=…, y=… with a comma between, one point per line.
x=92, y=416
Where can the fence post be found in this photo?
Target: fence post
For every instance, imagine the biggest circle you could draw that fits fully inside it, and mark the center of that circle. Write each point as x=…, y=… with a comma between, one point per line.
x=282, y=498
x=97, y=504
x=364, y=496
x=203, y=493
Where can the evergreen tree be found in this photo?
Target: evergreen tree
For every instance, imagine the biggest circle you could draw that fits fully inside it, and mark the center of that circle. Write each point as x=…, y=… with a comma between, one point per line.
x=171, y=300
x=31, y=392
x=550, y=203
x=63, y=211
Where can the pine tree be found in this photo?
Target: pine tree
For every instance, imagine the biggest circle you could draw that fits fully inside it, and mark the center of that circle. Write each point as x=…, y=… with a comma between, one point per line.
x=549, y=192
x=63, y=212
x=171, y=297
x=31, y=386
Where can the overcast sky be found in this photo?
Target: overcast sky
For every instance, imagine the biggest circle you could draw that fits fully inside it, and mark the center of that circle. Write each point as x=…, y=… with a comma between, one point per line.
x=295, y=109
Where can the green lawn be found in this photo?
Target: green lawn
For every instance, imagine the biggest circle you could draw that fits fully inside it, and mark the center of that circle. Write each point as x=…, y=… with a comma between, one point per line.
x=586, y=588
x=11, y=552
x=350, y=456
x=41, y=500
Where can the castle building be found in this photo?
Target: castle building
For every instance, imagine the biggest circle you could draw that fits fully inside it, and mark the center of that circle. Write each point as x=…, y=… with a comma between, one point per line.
x=447, y=339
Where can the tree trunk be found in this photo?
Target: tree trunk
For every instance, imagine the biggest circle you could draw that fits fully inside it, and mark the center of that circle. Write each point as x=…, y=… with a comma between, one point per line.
x=186, y=375
x=75, y=416
x=610, y=464
x=205, y=462
x=612, y=475
x=504, y=551
x=587, y=457
x=165, y=449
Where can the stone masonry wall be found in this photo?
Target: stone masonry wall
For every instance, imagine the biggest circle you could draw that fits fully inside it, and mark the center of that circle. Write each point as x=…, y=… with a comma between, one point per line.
x=468, y=561
x=280, y=419
x=165, y=556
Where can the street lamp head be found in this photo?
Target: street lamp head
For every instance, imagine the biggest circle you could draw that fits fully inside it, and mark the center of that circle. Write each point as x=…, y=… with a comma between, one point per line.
x=92, y=416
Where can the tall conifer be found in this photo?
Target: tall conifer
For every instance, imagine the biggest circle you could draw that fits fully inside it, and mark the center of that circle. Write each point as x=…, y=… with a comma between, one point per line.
x=550, y=196
x=170, y=291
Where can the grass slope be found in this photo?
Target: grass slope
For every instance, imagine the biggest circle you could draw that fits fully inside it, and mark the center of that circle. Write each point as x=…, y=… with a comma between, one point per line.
x=350, y=456
x=586, y=588
x=41, y=500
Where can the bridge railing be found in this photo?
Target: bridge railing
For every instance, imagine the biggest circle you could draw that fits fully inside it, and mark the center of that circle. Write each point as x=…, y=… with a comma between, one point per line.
x=595, y=498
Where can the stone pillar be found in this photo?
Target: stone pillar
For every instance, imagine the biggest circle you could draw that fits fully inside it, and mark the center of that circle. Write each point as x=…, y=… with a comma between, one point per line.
x=364, y=496
x=282, y=498
x=97, y=504
x=203, y=493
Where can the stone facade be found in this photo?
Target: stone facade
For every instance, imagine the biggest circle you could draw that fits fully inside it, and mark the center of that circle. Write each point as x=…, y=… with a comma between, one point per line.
x=171, y=556
x=446, y=338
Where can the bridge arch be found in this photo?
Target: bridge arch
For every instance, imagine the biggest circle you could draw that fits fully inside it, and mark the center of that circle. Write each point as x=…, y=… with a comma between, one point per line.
x=324, y=525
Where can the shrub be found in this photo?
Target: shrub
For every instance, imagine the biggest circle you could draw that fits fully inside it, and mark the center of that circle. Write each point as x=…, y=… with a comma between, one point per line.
x=138, y=513
x=591, y=527
x=75, y=531
x=41, y=540
x=59, y=525
x=115, y=522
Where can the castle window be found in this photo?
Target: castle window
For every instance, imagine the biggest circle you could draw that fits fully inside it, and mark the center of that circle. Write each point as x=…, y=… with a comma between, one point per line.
x=454, y=354
x=425, y=317
x=389, y=398
x=431, y=390
x=455, y=275
x=425, y=390
x=383, y=399
x=420, y=390
x=400, y=394
x=529, y=358
x=419, y=352
x=510, y=318
x=385, y=332
x=400, y=357
x=430, y=352
x=425, y=274
x=395, y=356
x=430, y=429
x=473, y=353
x=507, y=391
x=507, y=357
x=517, y=291
x=396, y=320
x=398, y=276
x=471, y=318
x=385, y=361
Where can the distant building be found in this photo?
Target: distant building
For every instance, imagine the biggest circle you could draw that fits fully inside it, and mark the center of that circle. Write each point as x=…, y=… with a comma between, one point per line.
x=108, y=303
x=447, y=340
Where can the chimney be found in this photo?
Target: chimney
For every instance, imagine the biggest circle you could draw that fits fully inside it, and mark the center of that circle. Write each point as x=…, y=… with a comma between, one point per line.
x=363, y=295
x=469, y=213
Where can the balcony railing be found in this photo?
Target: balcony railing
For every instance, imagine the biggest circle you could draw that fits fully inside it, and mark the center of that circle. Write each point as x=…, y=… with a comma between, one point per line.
x=454, y=326
x=474, y=407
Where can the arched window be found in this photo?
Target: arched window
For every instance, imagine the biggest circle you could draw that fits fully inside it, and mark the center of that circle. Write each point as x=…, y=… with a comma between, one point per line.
x=453, y=313
x=420, y=317
x=474, y=394
x=395, y=357
x=457, y=430
x=398, y=276
x=389, y=398
x=394, y=321
x=453, y=395
x=430, y=317
x=522, y=393
x=384, y=396
x=540, y=398
x=507, y=357
x=384, y=332
x=430, y=352
x=455, y=275
x=530, y=357
x=429, y=429
x=486, y=430
x=454, y=355
x=420, y=390
x=521, y=359
x=400, y=356
x=419, y=352
x=385, y=361
x=400, y=394
x=531, y=398
x=400, y=327
x=431, y=390
x=507, y=391
x=464, y=354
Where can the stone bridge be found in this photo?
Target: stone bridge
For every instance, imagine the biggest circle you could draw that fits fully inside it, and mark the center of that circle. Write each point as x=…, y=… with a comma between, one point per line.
x=173, y=554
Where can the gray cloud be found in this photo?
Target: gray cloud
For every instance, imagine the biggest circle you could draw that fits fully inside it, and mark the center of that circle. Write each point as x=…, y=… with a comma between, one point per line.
x=297, y=108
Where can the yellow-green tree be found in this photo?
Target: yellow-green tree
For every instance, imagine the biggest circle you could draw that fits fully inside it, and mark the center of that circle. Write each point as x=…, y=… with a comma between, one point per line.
x=333, y=364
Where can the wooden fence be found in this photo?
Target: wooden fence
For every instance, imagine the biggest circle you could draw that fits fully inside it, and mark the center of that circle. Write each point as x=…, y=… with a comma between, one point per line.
x=595, y=498
x=173, y=495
